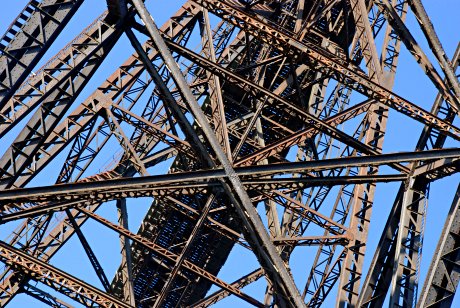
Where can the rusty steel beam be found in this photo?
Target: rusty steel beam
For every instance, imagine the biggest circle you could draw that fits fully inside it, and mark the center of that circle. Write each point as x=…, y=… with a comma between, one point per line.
x=167, y=254
x=35, y=194
x=443, y=275
x=260, y=119
x=45, y=297
x=28, y=38
x=264, y=249
x=344, y=72
x=57, y=279
x=378, y=279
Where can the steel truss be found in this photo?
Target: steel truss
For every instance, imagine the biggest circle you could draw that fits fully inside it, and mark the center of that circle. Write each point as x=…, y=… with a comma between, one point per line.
x=266, y=150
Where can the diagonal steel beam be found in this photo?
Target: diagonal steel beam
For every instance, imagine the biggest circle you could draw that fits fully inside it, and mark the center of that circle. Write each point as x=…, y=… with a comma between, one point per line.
x=171, y=256
x=263, y=247
x=44, y=297
x=435, y=45
x=90, y=253
x=58, y=280
x=344, y=71
x=39, y=24
x=411, y=44
x=221, y=294
x=93, y=50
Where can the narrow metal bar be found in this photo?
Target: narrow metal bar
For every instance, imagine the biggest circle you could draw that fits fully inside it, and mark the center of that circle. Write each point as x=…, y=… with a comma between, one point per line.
x=221, y=294
x=259, y=170
x=44, y=297
x=90, y=253
x=183, y=255
x=126, y=256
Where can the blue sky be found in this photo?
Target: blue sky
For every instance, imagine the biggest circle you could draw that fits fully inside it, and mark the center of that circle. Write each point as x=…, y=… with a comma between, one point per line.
x=402, y=134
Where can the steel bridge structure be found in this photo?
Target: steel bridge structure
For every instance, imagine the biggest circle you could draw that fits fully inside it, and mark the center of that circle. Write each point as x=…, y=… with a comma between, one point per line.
x=252, y=127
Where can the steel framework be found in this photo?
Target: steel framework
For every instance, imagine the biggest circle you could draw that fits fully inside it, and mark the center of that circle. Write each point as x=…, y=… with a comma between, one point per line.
x=236, y=121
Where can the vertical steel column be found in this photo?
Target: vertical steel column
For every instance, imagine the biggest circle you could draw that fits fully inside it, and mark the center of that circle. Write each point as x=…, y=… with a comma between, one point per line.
x=379, y=275
x=363, y=195
x=366, y=39
x=408, y=244
x=215, y=95
x=126, y=257
x=444, y=273
x=363, y=199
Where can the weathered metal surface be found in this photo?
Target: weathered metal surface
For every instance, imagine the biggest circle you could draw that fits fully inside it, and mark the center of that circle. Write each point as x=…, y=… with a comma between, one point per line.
x=265, y=146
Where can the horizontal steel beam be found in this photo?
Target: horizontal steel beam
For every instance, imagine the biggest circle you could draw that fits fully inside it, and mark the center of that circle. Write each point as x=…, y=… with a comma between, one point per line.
x=261, y=187
x=261, y=170
x=64, y=192
x=341, y=239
